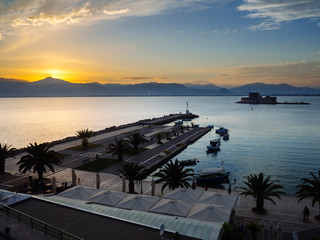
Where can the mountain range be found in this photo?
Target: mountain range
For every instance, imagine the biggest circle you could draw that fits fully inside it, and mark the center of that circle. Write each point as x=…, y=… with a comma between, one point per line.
x=51, y=87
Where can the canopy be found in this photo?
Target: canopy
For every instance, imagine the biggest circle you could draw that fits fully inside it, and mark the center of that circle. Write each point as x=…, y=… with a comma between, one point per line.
x=211, y=213
x=138, y=202
x=188, y=195
x=222, y=199
x=106, y=197
x=79, y=192
x=172, y=207
x=8, y=198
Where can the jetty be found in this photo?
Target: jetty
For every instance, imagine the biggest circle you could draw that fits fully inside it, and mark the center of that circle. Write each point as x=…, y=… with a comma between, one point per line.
x=256, y=98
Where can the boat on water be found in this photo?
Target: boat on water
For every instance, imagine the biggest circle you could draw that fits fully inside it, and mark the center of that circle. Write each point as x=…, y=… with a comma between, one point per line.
x=222, y=131
x=213, y=176
x=214, y=145
x=188, y=162
x=226, y=136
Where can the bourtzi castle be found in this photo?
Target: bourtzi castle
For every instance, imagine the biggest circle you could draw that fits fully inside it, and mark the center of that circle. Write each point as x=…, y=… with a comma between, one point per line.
x=255, y=98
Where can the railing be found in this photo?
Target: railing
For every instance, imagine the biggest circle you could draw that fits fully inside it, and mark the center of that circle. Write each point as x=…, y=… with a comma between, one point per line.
x=37, y=224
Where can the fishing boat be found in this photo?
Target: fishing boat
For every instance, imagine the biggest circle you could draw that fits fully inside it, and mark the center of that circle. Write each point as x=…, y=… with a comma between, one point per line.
x=188, y=162
x=222, y=131
x=214, y=145
x=212, y=176
x=225, y=136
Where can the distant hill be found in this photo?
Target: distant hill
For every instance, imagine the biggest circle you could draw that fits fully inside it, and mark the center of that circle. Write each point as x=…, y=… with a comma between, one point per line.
x=51, y=87
x=274, y=89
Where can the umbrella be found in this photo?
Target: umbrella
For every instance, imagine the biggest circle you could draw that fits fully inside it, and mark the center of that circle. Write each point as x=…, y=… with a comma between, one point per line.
x=106, y=197
x=188, y=195
x=138, y=202
x=81, y=193
x=74, y=178
x=172, y=207
x=221, y=199
x=8, y=198
x=98, y=180
x=210, y=213
x=54, y=185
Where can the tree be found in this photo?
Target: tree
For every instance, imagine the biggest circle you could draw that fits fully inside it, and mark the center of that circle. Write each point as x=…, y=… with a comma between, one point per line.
x=131, y=172
x=310, y=188
x=261, y=188
x=168, y=135
x=84, y=135
x=174, y=175
x=118, y=147
x=5, y=152
x=38, y=158
x=159, y=137
x=136, y=139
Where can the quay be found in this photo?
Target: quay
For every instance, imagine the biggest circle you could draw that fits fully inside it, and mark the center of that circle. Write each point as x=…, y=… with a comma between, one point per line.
x=287, y=211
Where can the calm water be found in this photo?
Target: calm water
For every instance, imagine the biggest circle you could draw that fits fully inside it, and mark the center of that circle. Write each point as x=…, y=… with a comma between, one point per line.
x=280, y=140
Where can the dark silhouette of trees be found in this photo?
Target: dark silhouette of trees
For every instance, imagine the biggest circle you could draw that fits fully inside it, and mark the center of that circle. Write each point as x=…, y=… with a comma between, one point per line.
x=38, y=158
x=136, y=139
x=310, y=188
x=261, y=188
x=118, y=148
x=5, y=152
x=131, y=172
x=84, y=135
x=174, y=175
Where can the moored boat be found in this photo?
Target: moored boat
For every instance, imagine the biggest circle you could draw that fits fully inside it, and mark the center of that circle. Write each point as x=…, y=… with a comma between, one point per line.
x=212, y=176
x=214, y=145
x=225, y=136
x=222, y=131
x=188, y=162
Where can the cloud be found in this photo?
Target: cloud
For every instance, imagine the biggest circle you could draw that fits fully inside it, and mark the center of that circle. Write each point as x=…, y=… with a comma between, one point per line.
x=303, y=73
x=275, y=12
x=114, y=12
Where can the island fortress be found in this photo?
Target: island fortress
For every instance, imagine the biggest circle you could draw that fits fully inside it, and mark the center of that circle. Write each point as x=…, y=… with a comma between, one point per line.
x=255, y=98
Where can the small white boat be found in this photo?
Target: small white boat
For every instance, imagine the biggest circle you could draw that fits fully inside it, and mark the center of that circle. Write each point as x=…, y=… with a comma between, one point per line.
x=212, y=176
x=188, y=162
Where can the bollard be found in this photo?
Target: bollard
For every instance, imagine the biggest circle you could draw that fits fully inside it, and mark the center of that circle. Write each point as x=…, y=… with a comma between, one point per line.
x=279, y=231
x=270, y=231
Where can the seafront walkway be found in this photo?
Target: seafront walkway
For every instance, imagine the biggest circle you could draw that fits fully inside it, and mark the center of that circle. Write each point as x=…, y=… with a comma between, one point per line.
x=286, y=211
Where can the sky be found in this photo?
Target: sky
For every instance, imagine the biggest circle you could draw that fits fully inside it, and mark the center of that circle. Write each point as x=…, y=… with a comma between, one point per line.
x=223, y=42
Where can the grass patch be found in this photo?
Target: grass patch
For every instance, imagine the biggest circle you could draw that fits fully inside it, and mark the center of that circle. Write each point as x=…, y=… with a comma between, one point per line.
x=79, y=147
x=97, y=165
x=130, y=151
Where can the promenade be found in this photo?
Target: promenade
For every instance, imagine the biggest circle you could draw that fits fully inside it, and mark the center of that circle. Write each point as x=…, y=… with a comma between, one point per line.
x=286, y=211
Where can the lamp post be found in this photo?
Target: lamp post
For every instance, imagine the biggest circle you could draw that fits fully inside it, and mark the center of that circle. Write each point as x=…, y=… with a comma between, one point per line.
x=230, y=184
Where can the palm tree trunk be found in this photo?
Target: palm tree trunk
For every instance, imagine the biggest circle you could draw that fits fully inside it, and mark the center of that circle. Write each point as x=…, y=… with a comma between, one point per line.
x=131, y=186
x=260, y=204
x=2, y=163
x=120, y=158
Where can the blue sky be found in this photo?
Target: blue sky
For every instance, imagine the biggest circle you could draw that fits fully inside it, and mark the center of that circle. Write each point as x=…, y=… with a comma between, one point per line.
x=185, y=41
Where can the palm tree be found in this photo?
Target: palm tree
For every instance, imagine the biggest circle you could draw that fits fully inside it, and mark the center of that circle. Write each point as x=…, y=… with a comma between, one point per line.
x=84, y=135
x=159, y=137
x=168, y=135
x=136, y=139
x=118, y=147
x=261, y=188
x=5, y=152
x=131, y=172
x=310, y=188
x=38, y=157
x=174, y=175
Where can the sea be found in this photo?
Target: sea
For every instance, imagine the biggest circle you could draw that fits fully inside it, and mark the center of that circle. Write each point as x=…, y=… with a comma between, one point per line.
x=282, y=141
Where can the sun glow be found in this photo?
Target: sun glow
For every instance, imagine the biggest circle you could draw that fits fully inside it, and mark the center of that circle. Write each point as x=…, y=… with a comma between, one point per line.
x=56, y=73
